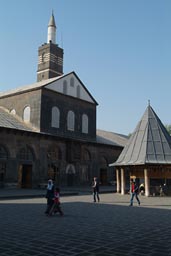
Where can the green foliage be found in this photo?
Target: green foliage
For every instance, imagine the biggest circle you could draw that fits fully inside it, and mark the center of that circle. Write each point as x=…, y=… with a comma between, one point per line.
x=168, y=128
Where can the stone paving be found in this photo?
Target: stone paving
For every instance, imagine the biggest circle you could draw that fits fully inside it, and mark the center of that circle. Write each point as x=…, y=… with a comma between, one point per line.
x=108, y=228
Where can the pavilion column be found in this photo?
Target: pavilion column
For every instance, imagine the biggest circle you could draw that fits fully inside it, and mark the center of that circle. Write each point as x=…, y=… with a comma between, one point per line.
x=118, y=187
x=122, y=182
x=147, y=183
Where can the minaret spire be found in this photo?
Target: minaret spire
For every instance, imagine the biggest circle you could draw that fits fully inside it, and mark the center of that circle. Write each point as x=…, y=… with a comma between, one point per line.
x=50, y=55
x=51, y=37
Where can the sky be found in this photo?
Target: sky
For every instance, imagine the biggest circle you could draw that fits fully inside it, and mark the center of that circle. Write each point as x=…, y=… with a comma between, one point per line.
x=120, y=50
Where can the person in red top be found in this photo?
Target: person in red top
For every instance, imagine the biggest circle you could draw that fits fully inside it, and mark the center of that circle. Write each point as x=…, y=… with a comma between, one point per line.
x=134, y=192
x=56, y=205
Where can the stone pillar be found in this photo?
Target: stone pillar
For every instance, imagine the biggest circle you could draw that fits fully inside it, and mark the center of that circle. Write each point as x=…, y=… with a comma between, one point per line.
x=118, y=187
x=122, y=182
x=146, y=179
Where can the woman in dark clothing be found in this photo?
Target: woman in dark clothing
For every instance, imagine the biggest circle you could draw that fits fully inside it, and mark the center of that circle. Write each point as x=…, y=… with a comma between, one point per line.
x=49, y=195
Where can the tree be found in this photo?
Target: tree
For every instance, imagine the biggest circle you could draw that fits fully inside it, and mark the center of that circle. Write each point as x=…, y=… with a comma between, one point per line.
x=168, y=128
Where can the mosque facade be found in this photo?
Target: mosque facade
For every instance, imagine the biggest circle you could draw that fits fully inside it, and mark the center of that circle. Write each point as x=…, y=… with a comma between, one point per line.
x=48, y=129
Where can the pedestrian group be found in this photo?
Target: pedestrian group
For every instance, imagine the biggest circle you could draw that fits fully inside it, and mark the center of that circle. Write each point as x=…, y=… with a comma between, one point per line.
x=53, y=196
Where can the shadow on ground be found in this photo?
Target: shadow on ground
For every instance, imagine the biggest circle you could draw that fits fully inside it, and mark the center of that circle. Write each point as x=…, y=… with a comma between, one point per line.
x=86, y=229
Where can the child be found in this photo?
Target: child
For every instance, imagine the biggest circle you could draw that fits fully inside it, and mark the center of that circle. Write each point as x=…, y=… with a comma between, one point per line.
x=56, y=207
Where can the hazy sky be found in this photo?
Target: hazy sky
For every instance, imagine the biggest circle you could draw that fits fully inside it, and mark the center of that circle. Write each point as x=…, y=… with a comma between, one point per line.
x=120, y=49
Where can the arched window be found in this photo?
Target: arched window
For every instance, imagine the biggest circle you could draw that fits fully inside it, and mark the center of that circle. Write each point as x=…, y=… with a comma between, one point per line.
x=3, y=159
x=71, y=121
x=86, y=155
x=13, y=112
x=78, y=91
x=72, y=82
x=54, y=153
x=84, y=123
x=55, y=117
x=65, y=87
x=3, y=153
x=103, y=162
x=25, y=153
x=26, y=114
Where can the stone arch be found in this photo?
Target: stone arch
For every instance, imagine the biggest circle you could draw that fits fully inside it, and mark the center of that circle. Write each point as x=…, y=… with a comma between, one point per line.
x=13, y=111
x=4, y=155
x=26, y=153
x=84, y=123
x=86, y=155
x=84, y=174
x=71, y=173
x=103, y=170
x=65, y=85
x=55, y=120
x=71, y=120
x=26, y=157
x=26, y=114
x=54, y=153
x=4, y=152
x=70, y=169
x=78, y=91
x=72, y=82
x=54, y=157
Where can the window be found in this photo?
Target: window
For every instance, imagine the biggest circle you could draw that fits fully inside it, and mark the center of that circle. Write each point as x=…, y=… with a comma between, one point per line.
x=84, y=123
x=26, y=114
x=71, y=121
x=54, y=153
x=25, y=154
x=86, y=155
x=65, y=87
x=3, y=153
x=55, y=117
x=78, y=91
x=43, y=56
x=13, y=112
x=72, y=82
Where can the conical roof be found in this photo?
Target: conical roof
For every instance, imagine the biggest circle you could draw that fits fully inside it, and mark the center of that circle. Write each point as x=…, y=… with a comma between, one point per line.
x=150, y=143
x=52, y=21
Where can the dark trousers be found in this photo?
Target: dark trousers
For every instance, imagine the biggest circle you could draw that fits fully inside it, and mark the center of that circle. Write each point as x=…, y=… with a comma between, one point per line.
x=96, y=195
x=49, y=205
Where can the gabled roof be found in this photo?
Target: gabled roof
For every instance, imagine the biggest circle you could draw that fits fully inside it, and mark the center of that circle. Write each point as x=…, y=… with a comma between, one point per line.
x=54, y=84
x=8, y=120
x=111, y=138
x=150, y=143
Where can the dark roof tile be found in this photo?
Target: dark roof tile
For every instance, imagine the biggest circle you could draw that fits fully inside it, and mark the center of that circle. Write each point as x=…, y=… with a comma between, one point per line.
x=150, y=143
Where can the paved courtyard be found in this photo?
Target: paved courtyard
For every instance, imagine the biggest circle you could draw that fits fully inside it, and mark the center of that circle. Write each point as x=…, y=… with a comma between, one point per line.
x=107, y=228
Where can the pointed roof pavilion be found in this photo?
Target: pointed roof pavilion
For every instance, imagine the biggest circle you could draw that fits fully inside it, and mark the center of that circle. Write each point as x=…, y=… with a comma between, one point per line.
x=150, y=143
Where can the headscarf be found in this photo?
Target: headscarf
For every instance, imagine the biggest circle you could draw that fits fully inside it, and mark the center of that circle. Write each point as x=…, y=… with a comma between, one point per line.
x=50, y=184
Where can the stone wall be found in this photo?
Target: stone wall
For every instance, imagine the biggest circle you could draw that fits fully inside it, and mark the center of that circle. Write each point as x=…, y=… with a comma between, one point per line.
x=31, y=158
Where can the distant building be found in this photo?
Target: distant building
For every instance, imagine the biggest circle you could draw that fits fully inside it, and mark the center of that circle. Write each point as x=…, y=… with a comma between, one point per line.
x=146, y=157
x=48, y=129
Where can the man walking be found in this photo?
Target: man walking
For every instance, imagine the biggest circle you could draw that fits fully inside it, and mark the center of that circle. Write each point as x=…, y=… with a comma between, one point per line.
x=96, y=190
x=134, y=192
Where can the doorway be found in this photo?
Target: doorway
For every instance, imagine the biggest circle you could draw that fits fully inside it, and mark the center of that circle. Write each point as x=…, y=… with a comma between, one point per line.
x=25, y=176
x=103, y=176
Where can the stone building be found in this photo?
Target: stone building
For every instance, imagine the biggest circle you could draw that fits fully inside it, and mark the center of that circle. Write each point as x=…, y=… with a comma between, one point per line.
x=48, y=129
x=146, y=157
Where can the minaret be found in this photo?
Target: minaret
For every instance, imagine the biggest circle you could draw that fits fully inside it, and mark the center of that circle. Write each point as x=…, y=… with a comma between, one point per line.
x=50, y=56
x=51, y=30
